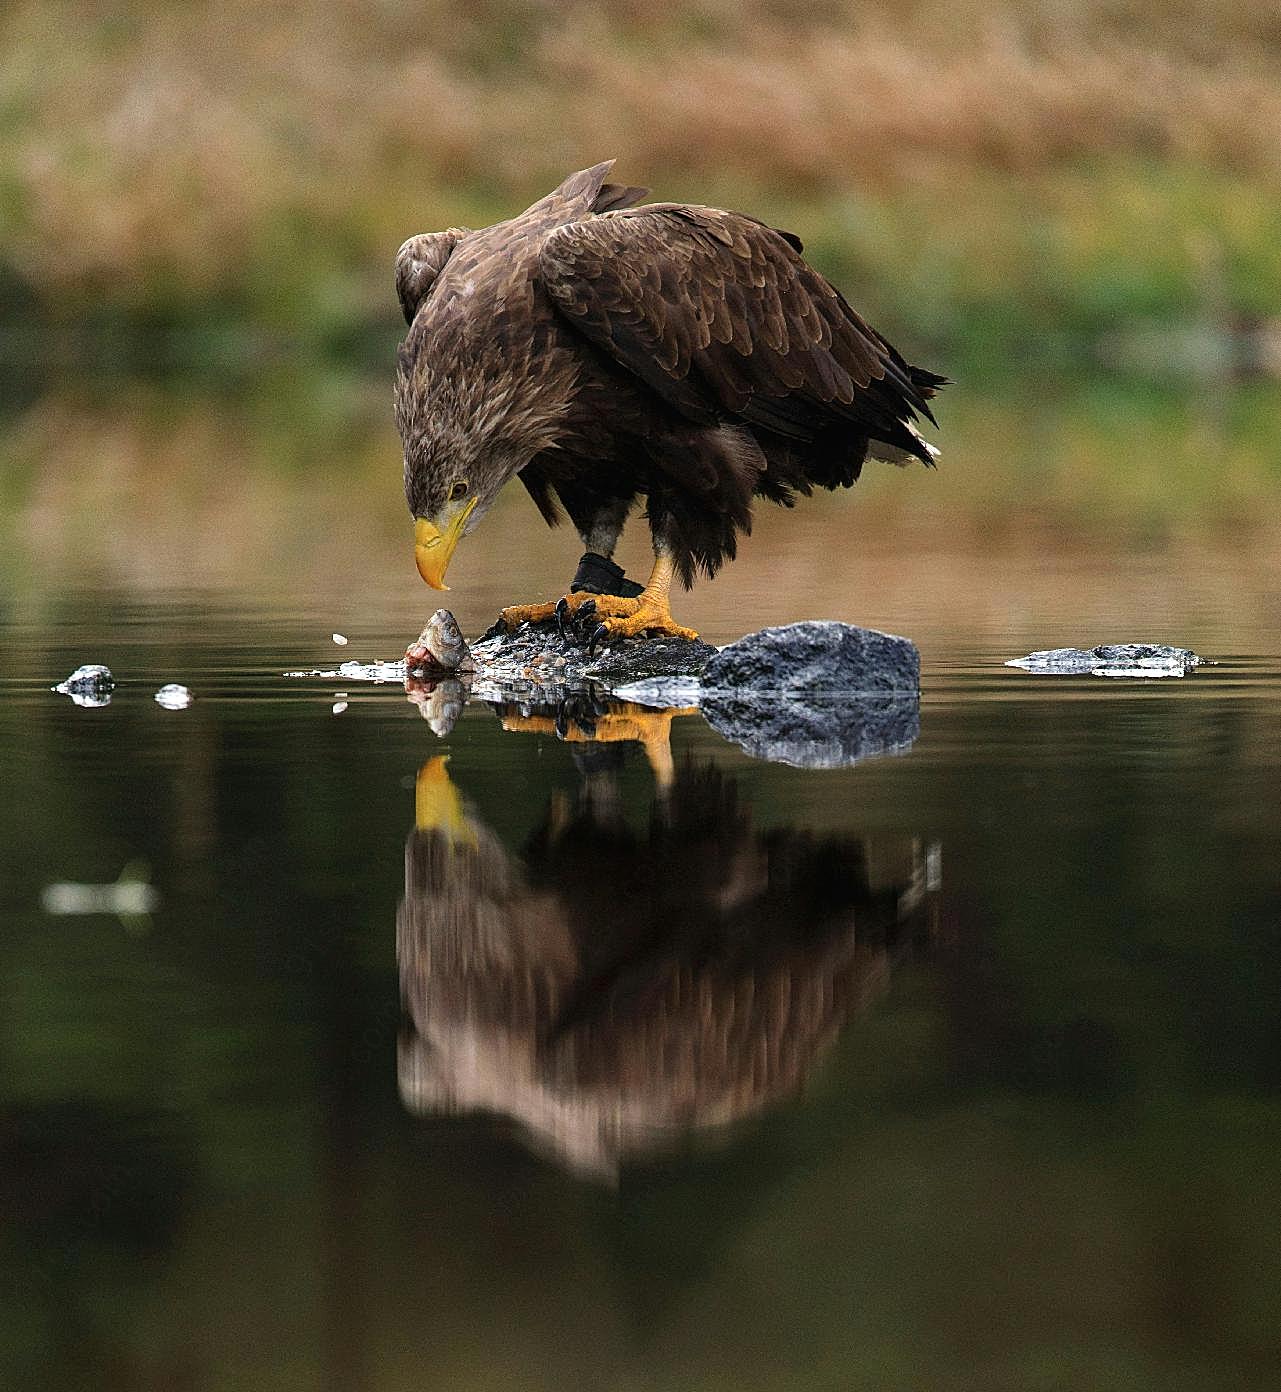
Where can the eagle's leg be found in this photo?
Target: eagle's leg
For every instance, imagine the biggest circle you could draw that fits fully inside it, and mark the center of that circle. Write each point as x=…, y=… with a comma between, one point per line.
x=561, y=609
x=650, y=612
x=598, y=577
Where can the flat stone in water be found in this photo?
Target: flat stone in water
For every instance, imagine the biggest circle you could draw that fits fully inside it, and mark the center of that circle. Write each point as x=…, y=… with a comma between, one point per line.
x=1112, y=660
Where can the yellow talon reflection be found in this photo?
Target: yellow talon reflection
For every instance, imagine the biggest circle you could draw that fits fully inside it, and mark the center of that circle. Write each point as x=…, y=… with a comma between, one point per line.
x=620, y=721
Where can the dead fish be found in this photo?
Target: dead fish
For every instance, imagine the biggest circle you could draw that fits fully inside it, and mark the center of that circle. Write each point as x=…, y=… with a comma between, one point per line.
x=440, y=645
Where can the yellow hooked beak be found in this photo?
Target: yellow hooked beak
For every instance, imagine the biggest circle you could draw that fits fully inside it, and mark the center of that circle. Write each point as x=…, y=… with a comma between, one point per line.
x=433, y=546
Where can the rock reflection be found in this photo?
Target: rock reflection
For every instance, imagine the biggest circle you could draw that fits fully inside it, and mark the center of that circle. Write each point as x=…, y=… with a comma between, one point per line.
x=614, y=988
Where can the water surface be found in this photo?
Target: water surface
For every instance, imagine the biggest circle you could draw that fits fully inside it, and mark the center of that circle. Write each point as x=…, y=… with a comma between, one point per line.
x=956, y=1069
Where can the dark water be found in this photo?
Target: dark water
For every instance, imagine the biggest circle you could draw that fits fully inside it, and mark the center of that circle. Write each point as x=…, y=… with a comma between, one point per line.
x=954, y=1069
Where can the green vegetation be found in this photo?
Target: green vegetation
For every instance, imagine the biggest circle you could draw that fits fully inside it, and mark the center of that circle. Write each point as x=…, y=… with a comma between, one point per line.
x=203, y=187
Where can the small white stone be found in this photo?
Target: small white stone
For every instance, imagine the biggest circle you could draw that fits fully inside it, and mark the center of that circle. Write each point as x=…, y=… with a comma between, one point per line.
x=174, y=697
x=340, y=639
x=339, y=707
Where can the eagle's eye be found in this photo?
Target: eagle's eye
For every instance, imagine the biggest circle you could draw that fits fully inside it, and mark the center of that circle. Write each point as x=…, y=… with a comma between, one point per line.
x=459, y=490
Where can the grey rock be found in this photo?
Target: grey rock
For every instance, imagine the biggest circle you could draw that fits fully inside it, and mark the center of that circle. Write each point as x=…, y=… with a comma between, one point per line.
x=818, y=694
x=89, y=685
x=818, y=656
x=1112, y=660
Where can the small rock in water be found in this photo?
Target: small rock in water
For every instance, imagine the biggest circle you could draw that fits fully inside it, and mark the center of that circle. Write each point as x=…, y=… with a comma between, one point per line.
x=174, y=697
x=338, y=707
x=340, y=639
x=90, y=685
x=1112, y=660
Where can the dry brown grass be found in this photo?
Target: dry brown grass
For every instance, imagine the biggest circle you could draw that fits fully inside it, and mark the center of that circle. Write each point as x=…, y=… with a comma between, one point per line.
x=146, y=145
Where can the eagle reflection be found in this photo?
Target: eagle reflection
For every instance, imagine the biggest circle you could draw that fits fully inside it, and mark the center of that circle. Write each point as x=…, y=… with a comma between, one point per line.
x=614, y=988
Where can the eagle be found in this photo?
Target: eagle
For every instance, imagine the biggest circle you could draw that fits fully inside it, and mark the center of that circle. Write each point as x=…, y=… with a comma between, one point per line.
x=605, y=350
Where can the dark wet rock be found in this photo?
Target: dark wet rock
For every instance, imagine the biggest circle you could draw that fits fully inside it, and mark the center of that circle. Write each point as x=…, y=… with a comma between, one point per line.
x=819, y=656
x=1112, y=660
x=540, y=658
x=650, y=659
x=814, y=730
x=90, y=685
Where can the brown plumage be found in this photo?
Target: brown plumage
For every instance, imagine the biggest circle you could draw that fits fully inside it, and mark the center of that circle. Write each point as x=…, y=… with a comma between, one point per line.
x=606, y=352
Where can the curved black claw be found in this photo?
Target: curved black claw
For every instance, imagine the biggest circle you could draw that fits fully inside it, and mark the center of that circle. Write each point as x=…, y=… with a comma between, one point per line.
x=562, y=610
x=599, y=632
x=562, y=721
x=586, y=612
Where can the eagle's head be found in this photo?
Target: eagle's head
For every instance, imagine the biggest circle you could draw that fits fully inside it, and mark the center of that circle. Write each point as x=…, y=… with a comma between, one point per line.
x=462, y=442
x=471, y=416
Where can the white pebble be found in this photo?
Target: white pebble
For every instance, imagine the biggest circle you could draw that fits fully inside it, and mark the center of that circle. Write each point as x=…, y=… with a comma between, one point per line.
x=174, y=697
x=340, y=639
x=339, y=707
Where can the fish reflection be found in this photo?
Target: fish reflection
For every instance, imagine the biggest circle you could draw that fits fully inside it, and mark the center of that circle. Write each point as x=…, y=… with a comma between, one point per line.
x=615, y=987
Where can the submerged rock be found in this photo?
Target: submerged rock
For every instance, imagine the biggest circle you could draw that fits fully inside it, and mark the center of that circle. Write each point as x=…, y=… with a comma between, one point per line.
x=89, y=685
x=1112, y=660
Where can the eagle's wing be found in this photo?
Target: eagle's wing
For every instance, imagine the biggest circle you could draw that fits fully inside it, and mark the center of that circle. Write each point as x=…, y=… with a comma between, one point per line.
x=418, y=262
x=720, y=314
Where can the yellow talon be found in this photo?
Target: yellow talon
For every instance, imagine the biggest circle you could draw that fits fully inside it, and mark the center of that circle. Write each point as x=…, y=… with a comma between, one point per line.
x=651, y=611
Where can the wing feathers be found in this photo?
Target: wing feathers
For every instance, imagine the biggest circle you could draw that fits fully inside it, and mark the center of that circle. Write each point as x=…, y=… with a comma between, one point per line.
x=418, y=262
x=719, y=313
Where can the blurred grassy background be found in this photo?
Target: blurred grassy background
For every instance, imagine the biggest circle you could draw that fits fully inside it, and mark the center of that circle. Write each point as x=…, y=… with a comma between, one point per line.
x=1006, y=185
